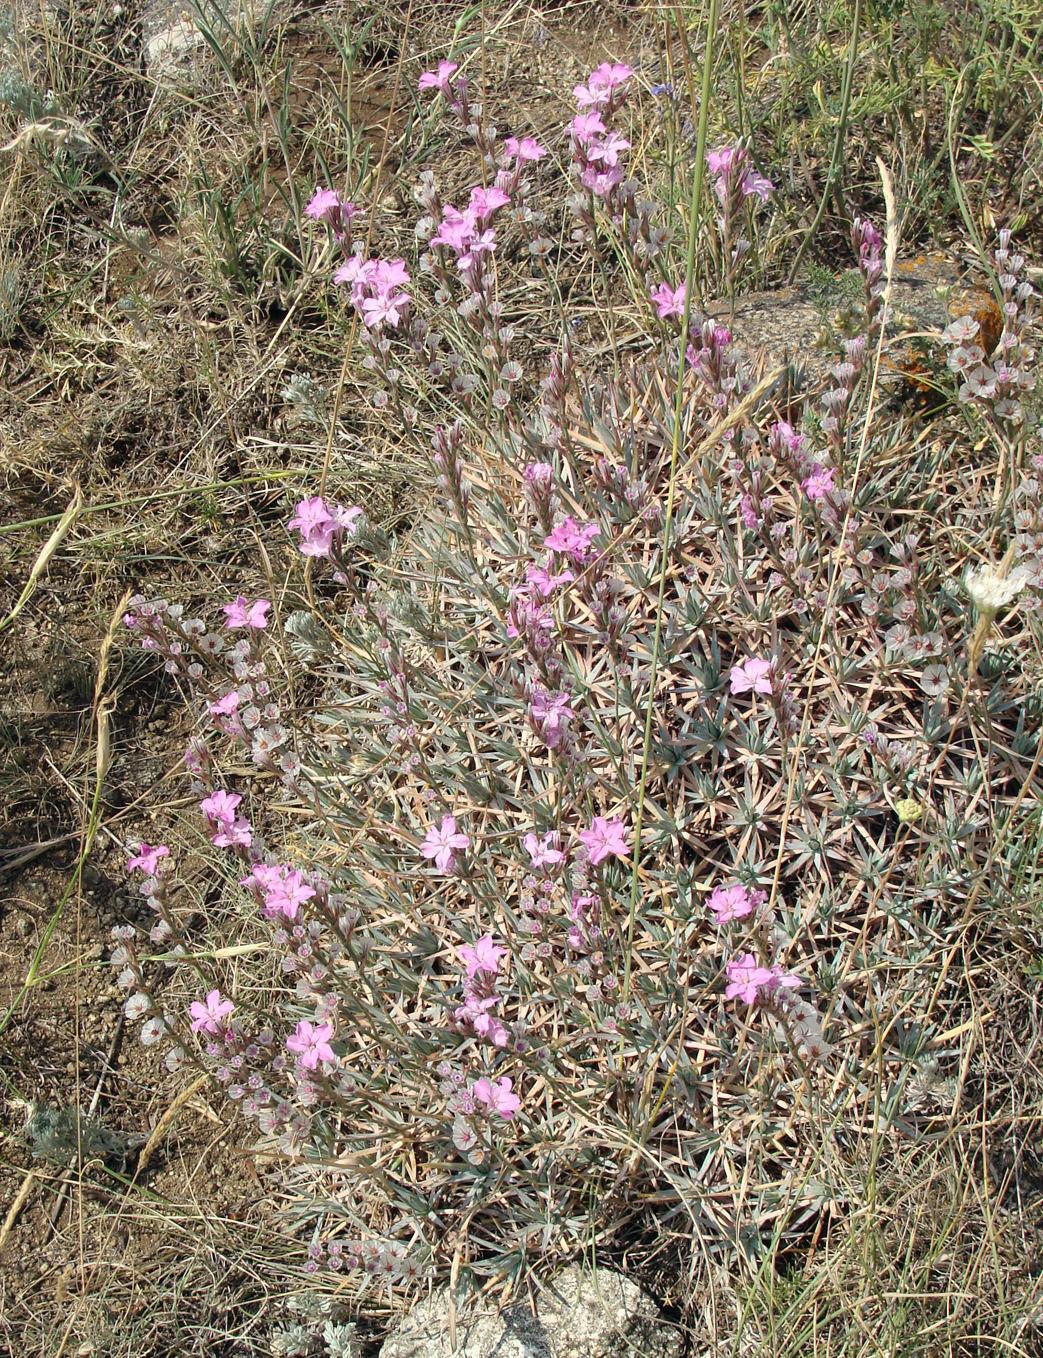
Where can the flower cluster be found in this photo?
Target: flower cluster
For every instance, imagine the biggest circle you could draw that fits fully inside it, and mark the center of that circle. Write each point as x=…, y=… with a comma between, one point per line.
x=230, y=679
x=325, y=529
x=736, y=180
x=327, y=206
x=377, y=290
x=597, y=149
x=995, y=383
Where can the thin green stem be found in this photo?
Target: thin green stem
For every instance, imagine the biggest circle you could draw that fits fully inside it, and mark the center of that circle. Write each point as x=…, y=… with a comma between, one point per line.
x=694, y=216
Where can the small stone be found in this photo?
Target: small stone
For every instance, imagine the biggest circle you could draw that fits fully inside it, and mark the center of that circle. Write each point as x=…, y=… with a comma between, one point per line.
x=581, y=1314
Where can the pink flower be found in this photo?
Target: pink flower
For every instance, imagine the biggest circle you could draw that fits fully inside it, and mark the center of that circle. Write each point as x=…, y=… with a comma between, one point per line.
x=669, y=301
x=496, y=1097
x=147, y=858
x=387, y=308
x=322, y=525
x=220, y=807
x=755, y=185
x=540, y=475
x=720, y=161
x=783, y=980
x=747, y=978
x=232, y=832
x=440, y=79
x=543, y=852
x=375, y=285
x=606, y=151
x=311, y=1044
x=601, y=182
x=478, y=245
x=241, y=614
x=226, y=706
x=455, y=229
x=605, y=839
x=440, y=844
x=475, y=1016
x=585, y=126
x=484, y=202
x=326, y=206
x=600, y=83
x=210, y=1017
x=528, y=148
x=753, y=674
x=734, y=902
x=611, y=74
x=483, y=957
x=544, y=582
x=820, y=483
x=572, y=538
x=237, y=835
x=283, y=887
x=551, y=712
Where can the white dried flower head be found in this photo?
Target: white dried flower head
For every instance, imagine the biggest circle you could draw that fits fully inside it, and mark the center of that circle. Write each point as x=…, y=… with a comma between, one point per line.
x=989, y=591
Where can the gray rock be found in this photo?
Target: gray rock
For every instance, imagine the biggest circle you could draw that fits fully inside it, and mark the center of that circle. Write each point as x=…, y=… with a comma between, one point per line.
x=173, y=40
x=581, y=1314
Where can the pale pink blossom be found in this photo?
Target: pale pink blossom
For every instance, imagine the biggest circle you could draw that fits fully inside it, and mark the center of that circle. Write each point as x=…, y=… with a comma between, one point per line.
x=441, y=79
x=483, y=957
x=747, y=978
x=147, y=858
x=496, y=1096
x=282, y=888
x=753, y=675
x=551, y=712
x=322, y=525
x=475, y=1015
x=220, y=807
x=523, y=149
x=669, y=301
x=310, y=1043
x=441, y=844
x=734, y=902
x=543, y=849
x=209, y=1017
x=239, y=613
x=586, y=126
x=226, y=706
x=327, y=206
x=544, y=582
x=484, y=202
x=820, y=482
x=605, y=839
x=572, y=539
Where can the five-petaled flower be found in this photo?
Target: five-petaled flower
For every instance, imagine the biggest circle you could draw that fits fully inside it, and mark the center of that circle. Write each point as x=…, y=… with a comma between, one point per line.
x=543, y=849
x=147, y=858
x=239, y=613
x=442, y=842
x=524, y=148
x=441, y=79
x=669, y=301
x=605, y=839
x=572, y=539
x=495, y=1096
x=311, y=1044
x=734, y=902
x=754, y=674
x=819, y=483
x=747, y=978
x=209, y=1017
x=220, y=810
x=483, y=956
